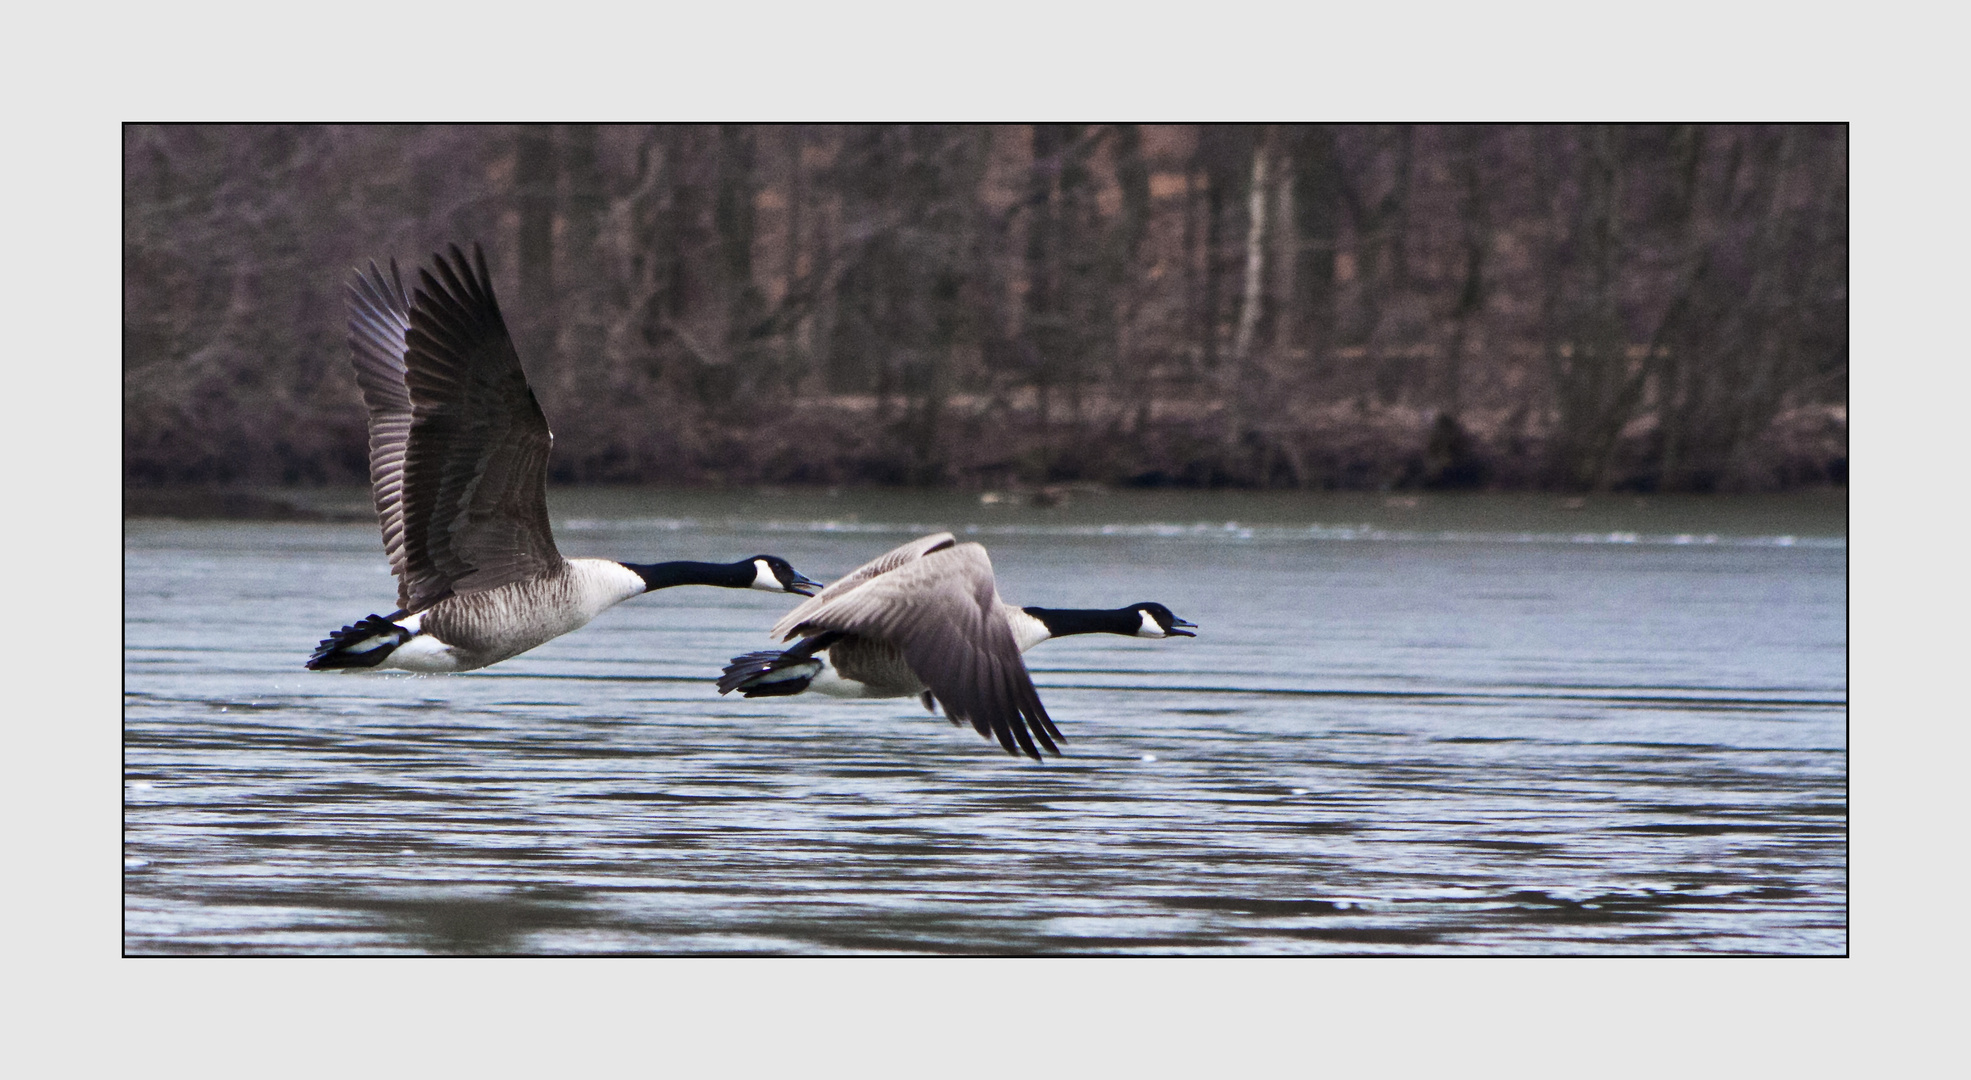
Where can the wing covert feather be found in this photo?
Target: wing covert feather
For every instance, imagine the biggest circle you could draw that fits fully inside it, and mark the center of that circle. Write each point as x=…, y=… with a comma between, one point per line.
x=882, y=564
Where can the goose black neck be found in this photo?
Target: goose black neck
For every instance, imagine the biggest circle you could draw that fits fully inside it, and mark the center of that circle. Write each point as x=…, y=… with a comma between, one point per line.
x=664, y=575
x=1064, y=621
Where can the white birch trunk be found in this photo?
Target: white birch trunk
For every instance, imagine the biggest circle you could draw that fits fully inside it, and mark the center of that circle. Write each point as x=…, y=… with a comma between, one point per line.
x=1235, y=385
x=1255, y=254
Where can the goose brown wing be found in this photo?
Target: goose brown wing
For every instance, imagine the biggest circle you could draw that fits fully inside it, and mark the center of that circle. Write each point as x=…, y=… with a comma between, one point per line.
x=883, y=564
x=379, y=316
x=942, y=611
x=474, y=487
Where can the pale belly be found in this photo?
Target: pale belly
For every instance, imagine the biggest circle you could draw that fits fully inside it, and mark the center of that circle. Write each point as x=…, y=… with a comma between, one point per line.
x=451, y=642
x=425, y=653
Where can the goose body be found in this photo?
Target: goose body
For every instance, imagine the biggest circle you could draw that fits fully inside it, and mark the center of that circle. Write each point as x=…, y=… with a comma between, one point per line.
x=926, y=621
x=458, y=471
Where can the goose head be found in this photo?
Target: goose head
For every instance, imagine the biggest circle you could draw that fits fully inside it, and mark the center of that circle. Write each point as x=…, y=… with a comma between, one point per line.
x=773, y=574
x=1157, y=621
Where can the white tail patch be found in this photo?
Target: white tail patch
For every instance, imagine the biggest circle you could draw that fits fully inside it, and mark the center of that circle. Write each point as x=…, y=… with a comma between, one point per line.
x=422, y=653
x=791, y=672
x=829, y=681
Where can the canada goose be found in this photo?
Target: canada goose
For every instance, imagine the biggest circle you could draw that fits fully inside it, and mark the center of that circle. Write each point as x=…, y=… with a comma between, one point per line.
x=927, y=620
x=458, y=468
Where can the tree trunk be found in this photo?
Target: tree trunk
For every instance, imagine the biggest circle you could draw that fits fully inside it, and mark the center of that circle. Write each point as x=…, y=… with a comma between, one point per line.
x=1129, y=374
x=534, y=183
x=584, y=279
x=1476, y=235
x=1237, y=374
x=733, y=219
x=1251, y=295
x=1317, y=198
x=796, y=360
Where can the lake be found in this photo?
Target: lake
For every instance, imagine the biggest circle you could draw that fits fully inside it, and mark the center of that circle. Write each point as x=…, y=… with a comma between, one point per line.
x=1442, y=725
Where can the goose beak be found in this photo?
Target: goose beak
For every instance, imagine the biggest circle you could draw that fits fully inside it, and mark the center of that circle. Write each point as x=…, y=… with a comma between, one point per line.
x=801, y=586
x=1174, y=628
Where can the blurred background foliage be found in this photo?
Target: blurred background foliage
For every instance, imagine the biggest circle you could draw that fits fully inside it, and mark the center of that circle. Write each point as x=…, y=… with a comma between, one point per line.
x=1563, y=307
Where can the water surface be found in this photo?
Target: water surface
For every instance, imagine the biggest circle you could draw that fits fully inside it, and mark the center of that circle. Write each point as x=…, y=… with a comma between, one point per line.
x=1482, y=725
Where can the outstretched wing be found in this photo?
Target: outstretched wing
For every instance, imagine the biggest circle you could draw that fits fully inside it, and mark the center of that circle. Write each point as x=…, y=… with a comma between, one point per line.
x=942, y=611
x=882, y=564
x=467, y=491
x=379, y=316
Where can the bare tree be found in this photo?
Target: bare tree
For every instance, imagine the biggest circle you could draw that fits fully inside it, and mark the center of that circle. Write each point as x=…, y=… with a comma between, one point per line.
x=1604, y=306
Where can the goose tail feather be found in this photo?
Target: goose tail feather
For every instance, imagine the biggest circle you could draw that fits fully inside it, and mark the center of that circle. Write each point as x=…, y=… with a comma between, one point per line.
x=362, y=644
x=769, y=674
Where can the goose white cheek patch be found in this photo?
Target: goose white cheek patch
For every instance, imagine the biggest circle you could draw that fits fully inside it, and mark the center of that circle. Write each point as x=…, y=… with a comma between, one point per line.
x=1149, y=627
x=763, y=577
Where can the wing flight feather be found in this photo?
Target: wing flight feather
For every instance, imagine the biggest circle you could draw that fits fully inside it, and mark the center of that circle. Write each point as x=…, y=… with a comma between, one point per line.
x=458, y=443
x=940, y=607
x=379, y=316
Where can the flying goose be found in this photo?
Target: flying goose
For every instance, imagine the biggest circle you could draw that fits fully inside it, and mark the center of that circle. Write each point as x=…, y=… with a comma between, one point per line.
x=926, y=620
x=458, y=468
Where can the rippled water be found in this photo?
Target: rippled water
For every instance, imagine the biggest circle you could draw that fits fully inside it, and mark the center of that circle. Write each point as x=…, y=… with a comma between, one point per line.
x=1442, y=725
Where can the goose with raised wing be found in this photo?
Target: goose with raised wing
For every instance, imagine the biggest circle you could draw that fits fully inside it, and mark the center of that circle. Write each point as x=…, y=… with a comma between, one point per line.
x=926, y=621
x=458, y=469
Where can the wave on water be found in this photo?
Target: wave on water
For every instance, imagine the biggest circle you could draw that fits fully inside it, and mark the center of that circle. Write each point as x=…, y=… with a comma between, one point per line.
x=1212, y=531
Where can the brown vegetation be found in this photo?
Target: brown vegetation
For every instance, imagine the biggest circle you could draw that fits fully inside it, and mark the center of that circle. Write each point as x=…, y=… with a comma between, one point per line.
x=1656, y=307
